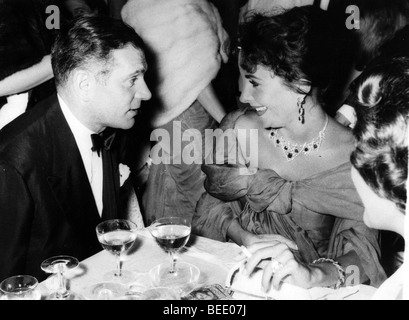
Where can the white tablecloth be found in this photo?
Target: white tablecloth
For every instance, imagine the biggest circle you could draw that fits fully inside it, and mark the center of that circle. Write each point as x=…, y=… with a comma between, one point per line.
x=214, y=259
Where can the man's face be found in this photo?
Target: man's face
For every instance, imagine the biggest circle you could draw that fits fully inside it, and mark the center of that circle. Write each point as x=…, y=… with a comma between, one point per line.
x=117, y=96
x=77, y=7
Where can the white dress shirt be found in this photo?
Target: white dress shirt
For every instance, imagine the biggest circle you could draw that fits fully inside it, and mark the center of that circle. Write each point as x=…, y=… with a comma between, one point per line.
x=92, y=163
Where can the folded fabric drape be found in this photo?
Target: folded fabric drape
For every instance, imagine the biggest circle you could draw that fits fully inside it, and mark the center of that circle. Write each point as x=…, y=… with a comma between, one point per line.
x=322, y=214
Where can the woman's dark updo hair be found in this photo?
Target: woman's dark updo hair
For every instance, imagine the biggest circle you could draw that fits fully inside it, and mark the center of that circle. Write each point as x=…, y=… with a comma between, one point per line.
x=382, y=106
x=298, y=45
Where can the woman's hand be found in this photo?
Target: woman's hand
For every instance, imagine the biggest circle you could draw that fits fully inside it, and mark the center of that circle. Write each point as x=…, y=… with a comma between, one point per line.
x=279, y=264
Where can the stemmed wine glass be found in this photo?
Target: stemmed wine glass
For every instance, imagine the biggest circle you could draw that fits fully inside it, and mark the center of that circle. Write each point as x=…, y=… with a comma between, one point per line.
x=117, y=236
x=59, y=265
x=172, y=234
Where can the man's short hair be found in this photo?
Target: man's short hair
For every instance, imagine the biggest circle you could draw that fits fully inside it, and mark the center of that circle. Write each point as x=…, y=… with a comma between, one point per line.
x=87, y=41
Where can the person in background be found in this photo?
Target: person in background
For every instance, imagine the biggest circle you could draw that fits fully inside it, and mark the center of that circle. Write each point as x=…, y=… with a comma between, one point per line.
x=25, y=62
x=63, y=162
x=397, y=47
x=298, y=198
x=75, y=8
x=225, y=83
x=383, y=34
x=379, y=22
x=268, y=5
x=26, y=75
x=187, y=43
x=115, y=7
x=380, y=160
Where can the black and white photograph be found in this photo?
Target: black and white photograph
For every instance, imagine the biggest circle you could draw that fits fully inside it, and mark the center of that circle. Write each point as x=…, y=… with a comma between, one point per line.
x=213, y=154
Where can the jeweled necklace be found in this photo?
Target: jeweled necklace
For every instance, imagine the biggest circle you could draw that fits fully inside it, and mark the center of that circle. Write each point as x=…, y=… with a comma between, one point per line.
x=293, y=150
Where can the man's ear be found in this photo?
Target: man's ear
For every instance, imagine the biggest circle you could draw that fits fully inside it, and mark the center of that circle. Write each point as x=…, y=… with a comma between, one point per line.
x=83, y=84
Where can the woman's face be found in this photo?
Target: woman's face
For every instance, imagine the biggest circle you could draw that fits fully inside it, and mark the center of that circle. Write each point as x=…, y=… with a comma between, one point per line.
x=274, y=102
x=380, y=213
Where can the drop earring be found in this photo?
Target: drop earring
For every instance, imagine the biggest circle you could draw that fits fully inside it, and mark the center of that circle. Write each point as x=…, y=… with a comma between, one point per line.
x=301, y=110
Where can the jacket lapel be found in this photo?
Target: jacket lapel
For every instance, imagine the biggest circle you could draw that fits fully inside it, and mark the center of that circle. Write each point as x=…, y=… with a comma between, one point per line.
x=68, y=178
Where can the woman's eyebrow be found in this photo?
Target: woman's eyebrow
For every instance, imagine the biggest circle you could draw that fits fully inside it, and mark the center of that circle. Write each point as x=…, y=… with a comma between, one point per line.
x=250, y=76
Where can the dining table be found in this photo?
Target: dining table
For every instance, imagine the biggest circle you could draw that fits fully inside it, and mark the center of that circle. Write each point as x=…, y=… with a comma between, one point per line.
x=214, y=259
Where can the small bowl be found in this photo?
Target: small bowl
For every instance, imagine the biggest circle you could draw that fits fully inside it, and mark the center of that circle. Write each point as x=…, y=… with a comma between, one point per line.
x=106, y=291
x=183, y=280
x=21, y=287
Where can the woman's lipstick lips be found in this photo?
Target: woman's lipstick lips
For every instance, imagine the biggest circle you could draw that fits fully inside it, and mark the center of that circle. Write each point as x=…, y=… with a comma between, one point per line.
x=261, y=110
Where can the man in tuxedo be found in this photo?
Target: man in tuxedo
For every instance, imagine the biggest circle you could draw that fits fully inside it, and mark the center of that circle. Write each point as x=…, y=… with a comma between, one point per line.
x=59, y=162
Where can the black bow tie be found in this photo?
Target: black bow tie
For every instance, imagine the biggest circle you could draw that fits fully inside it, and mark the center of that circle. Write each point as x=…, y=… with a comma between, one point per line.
x=103, y=140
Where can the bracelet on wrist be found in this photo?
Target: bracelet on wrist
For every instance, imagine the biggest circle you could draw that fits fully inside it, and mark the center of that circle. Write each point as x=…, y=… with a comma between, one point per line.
x=340, y=269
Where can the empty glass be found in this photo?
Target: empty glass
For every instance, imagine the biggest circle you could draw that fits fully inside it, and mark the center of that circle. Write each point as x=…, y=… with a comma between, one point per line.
x=59, y=265
x=21, y=287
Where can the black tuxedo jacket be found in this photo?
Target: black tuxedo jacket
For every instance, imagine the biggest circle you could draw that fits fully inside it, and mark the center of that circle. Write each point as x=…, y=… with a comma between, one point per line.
x=47, y=207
